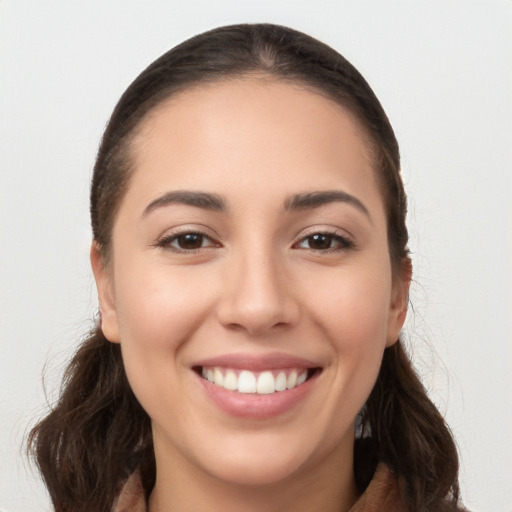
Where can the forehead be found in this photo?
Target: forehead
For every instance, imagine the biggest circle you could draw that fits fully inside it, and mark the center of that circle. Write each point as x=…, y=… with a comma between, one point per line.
x=248, y=99
x=252, y=130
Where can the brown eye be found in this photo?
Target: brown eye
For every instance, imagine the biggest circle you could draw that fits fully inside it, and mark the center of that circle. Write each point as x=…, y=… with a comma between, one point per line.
x=319, y=241
x=325, y=242
x=190, y=241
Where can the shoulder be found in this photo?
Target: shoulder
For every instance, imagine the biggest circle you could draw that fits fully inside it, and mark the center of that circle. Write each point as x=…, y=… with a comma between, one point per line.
x=381, y=495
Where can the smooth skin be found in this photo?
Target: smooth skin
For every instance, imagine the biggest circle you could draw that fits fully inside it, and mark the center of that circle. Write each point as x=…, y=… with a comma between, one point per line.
x=187, y=282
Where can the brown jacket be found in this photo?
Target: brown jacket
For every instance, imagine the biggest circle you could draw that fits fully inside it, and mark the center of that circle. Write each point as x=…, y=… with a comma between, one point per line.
x=380, y=496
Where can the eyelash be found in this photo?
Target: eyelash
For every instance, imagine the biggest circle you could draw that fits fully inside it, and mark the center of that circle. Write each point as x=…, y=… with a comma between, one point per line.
x=167, y=241
x=342, y=242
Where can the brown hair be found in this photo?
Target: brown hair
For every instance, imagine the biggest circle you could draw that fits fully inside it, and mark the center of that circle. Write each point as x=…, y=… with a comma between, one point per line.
x=97, y=433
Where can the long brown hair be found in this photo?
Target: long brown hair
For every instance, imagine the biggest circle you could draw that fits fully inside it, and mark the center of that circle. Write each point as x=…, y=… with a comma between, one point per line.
x=97, y=433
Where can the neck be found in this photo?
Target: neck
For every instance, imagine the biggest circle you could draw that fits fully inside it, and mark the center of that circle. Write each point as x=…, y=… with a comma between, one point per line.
x=329, y=486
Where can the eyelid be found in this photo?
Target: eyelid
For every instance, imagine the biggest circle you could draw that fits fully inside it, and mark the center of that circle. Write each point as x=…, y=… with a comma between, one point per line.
x=165, y=240
x=345, y=239
x=326, y=229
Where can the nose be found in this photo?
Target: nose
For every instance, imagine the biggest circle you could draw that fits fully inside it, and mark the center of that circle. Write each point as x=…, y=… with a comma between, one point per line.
x=257, y=296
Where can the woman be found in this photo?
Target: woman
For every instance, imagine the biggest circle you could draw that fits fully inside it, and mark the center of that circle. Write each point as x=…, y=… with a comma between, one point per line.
x=250, y=254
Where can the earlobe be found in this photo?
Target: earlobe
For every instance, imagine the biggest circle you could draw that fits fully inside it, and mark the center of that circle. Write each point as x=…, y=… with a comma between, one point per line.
x=399, y=302
x=108, y=313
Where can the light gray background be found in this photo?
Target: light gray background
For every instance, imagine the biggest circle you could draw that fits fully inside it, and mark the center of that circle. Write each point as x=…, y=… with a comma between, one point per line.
x=442, y=69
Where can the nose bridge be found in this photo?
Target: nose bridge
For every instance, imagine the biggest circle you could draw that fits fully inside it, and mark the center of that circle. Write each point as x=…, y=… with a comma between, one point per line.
x=256, y=296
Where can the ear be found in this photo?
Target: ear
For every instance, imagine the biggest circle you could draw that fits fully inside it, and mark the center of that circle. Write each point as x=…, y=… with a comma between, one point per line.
x=399, y=301
x=105, y=286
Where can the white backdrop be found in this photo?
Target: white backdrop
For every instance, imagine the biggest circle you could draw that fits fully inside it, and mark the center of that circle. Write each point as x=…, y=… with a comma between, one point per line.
x=442, y=69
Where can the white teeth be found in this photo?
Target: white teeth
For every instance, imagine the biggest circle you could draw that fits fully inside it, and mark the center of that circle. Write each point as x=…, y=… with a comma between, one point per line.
x=292, y=380
x=281, y=381
x=264, y=383
x=219, y=378
x=231, y=381
x=246, y=382
x=301, y=378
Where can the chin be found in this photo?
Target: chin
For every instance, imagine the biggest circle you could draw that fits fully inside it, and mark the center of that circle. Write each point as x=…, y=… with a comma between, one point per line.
x=263, y=459
x=255, y=472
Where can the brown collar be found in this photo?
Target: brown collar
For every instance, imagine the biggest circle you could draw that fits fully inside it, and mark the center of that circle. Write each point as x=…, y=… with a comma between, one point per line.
x=380, y=496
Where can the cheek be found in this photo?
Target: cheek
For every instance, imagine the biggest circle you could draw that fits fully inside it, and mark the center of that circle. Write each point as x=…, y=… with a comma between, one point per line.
x=353, y=307
x=359, y=334
x=159, y=308
x=354, y=318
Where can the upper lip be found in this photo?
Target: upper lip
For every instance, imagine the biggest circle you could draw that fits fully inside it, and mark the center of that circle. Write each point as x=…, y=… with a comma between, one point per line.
x=261, y=362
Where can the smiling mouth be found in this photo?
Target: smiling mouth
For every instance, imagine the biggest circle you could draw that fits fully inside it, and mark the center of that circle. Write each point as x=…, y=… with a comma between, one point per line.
x=259, y=383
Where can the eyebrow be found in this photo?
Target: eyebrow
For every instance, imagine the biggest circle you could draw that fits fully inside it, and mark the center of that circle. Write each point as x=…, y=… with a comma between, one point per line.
x=207, y=201
x=309, y=200
x=215, y=202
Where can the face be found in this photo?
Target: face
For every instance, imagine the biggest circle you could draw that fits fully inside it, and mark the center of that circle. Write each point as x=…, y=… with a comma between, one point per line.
x=250, y=285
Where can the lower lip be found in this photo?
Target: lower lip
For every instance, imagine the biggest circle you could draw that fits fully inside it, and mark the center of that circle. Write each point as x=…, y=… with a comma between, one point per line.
x=254, y=405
